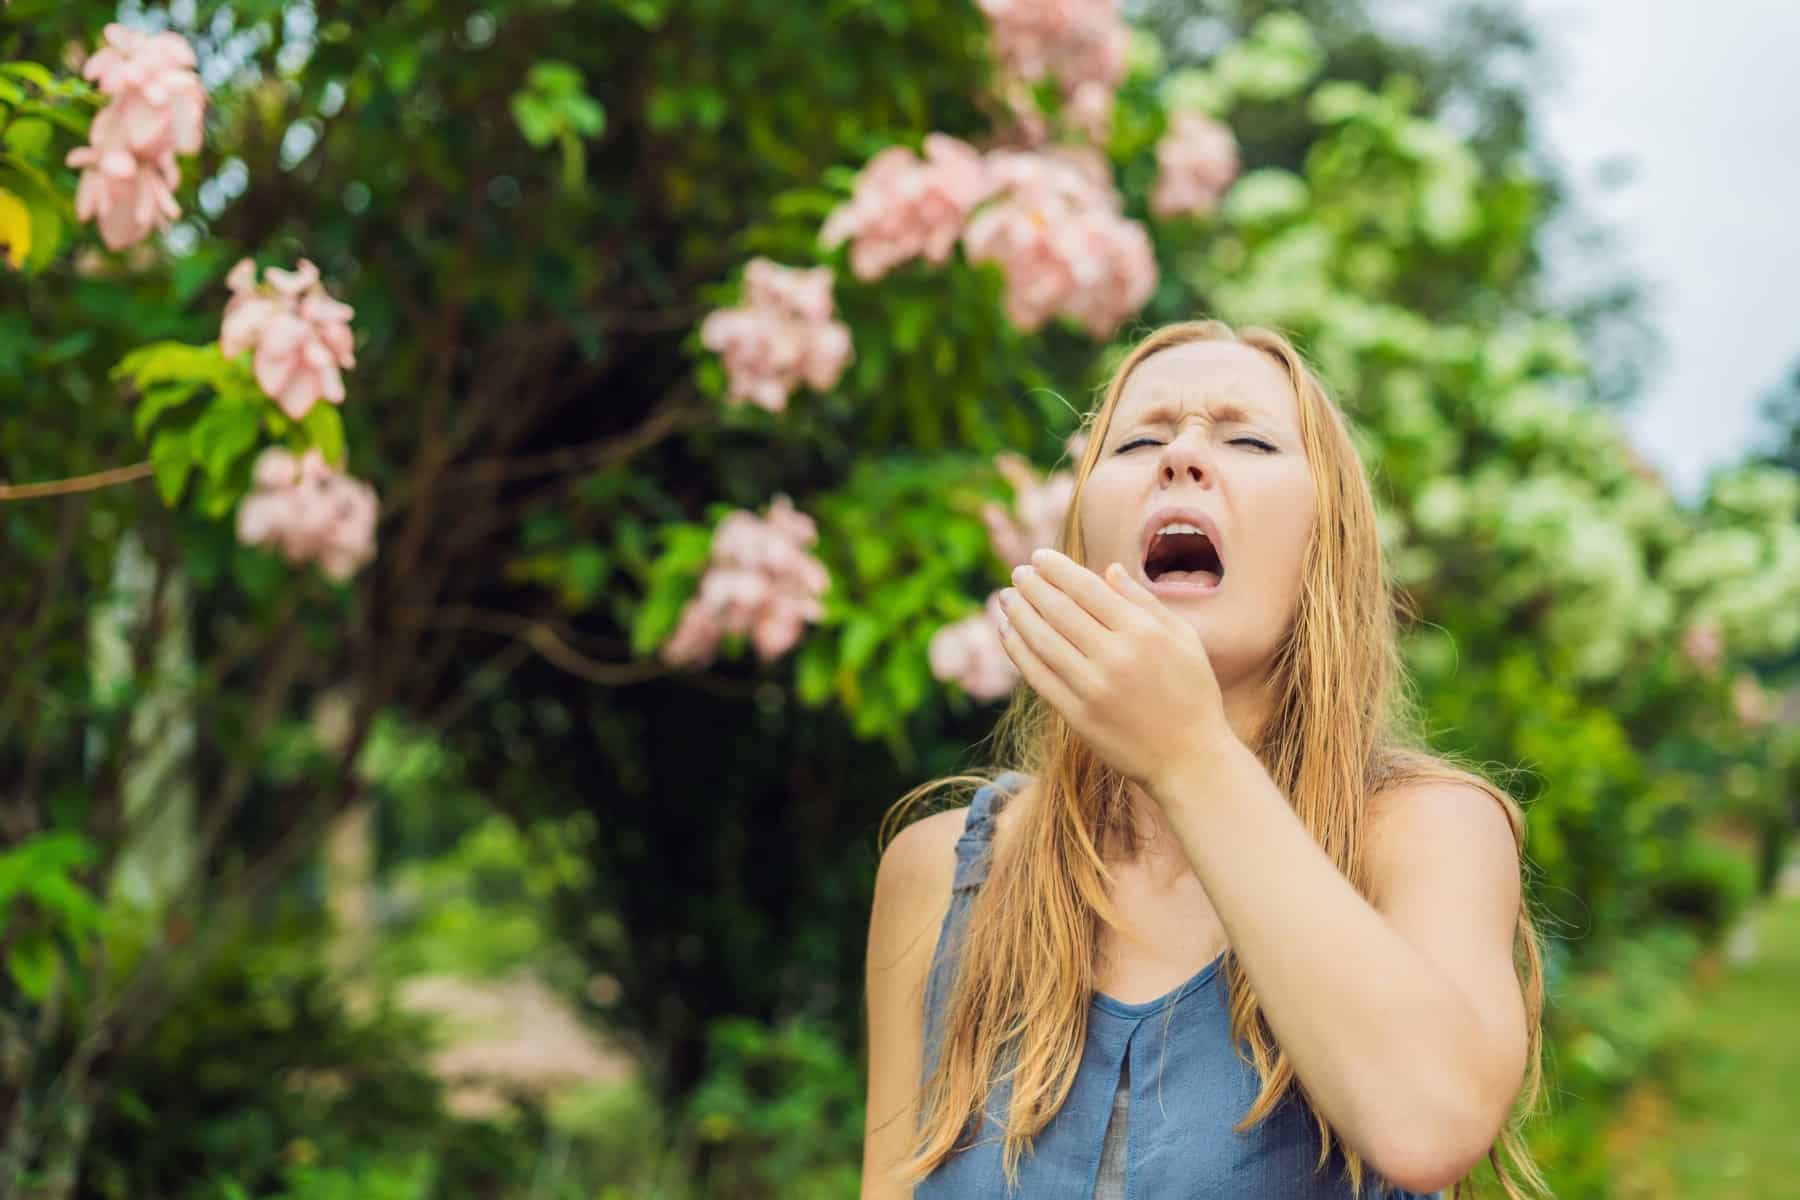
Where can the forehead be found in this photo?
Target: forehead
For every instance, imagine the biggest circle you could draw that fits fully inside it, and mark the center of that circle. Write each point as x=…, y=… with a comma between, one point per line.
x=1234, y=381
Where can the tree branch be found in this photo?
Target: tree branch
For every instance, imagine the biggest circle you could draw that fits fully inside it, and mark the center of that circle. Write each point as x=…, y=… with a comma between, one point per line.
x=77, y=483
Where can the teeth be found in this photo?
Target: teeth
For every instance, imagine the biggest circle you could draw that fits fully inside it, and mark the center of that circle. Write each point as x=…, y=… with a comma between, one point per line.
x=1180, y=527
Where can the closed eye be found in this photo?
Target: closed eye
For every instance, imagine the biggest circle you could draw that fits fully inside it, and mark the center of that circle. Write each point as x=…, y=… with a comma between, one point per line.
x=1135, y=442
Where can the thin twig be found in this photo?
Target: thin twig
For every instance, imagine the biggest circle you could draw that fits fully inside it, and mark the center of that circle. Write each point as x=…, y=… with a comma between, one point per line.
x=540, y=636
x=77, y=483
x=671, y=417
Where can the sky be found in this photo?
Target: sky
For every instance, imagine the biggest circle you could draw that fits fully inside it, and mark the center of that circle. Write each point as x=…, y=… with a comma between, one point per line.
x=1703, y=99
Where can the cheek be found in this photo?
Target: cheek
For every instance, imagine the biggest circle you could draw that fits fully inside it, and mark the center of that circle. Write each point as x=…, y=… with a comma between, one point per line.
x=1102, y=518
x=1280, y=535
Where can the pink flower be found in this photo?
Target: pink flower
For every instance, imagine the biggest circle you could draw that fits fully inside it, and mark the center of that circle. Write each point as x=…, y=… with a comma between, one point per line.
x=1095, y=50
x=157, y=99
x=1703, y=644
x=1026, y=127
x=309, y=511
x=1036, y=516
x=301, y=335
x=970, y=654
x=759, y=580
x=1061, y=243
x=1082, y=43
x=1197, y=159
x=129, y=197
x=156, y=111
x=781, y=336
x=1089, y=109
x=1073, y=39
x=905, y=207
x=1749, y=700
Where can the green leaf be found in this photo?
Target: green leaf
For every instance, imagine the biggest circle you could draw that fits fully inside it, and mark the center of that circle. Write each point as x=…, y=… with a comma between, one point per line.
x=908, y=679
x=219, y=498
x=133, y=1107
x=648, y=13
x=171, y=362
x=861, y=635
x=555, y=78
x=536, y=119
x=28, y=136
x=910, y=325
x=812, y=672
x=32, y=962
x=223, y=434
x=170, y=462
x=585, y=116
x=584, y=572
x=67, y=901
x=31, y=72
x=324, y=428
x=158, y=400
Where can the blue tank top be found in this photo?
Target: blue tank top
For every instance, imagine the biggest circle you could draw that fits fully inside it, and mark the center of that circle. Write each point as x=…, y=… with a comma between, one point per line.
x=1172, y=1057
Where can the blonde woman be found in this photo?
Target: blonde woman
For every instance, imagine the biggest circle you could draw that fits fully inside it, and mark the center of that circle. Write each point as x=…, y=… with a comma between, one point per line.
x=1228, y=929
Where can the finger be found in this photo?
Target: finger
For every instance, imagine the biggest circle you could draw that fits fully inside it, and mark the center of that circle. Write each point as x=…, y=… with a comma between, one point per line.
x=1038, y=677
x=1058, y=608
x=1136, y=593
x=1052, y=648
x=1086, y=588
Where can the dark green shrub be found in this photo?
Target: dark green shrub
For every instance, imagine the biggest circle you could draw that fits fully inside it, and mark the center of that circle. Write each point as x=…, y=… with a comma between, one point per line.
x=1707, y=884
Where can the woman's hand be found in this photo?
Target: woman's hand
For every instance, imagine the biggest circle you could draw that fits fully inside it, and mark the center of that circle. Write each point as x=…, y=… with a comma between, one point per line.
x=1130, y=677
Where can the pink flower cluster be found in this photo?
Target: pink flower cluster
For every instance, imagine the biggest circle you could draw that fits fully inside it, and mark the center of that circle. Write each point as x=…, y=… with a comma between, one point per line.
x=781, y=336
x=1750, y=701
x=1703, y=645
x=301, y=335
x=1065, y=249
x=1196, y=160
x=1055, y=226
x=969, y=653
x=309, y=511
x=760, y=580
x=155, y=112
x=1036, y=516
x=1082, y=43
x=905, y=207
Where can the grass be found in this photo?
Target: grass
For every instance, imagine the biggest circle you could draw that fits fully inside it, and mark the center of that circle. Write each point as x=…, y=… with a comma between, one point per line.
x=1724, y=1120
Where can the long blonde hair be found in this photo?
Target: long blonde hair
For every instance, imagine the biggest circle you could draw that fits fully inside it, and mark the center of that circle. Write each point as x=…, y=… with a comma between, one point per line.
x=1342, y=728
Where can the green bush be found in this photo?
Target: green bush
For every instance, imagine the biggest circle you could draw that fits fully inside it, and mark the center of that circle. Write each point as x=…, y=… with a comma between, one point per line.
x=1607, y=1026
x=779, y=1112
x=260, y=1081
x=1706, y=884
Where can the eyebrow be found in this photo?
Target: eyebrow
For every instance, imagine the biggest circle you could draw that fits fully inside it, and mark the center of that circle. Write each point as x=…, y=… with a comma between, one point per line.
x=1163, y=413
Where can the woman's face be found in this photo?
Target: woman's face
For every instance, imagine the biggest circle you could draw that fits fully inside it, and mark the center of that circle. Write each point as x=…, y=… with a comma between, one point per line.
x=1207, y=431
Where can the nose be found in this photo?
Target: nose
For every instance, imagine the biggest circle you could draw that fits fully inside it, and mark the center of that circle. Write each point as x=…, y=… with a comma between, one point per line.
x=1183, y=460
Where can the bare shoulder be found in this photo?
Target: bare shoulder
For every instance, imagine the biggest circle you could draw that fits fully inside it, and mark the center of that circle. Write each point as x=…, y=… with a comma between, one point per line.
x=912, y=895
x=920, y=861
x=921, y=858
x=1442, y=826
x=913, y=881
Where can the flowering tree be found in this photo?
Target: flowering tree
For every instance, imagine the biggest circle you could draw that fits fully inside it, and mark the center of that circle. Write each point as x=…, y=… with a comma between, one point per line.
x=708, y=375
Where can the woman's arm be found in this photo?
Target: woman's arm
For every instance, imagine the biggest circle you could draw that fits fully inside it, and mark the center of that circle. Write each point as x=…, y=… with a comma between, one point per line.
x=912, y=895
x=1403, y=1018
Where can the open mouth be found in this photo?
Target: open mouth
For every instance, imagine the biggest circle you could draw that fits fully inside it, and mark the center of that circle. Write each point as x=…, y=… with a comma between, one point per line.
x=1183, y=554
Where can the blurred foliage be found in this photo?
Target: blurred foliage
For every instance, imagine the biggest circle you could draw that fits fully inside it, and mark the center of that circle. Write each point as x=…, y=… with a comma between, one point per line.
x=262, y=1083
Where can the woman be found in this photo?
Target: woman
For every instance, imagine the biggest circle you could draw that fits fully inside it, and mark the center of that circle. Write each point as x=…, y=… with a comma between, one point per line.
x=1230, y=930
